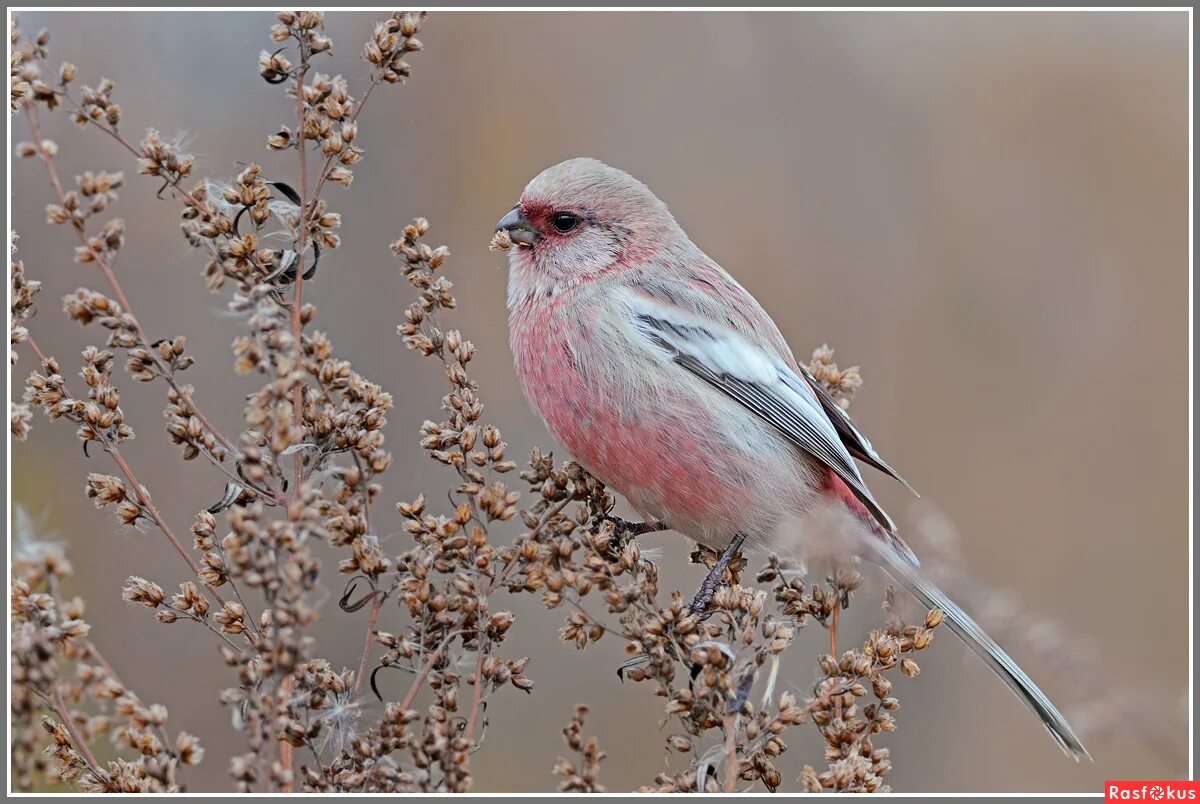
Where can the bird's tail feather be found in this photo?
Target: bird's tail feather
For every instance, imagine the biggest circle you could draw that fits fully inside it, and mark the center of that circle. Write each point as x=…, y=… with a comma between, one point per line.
x=913, y=580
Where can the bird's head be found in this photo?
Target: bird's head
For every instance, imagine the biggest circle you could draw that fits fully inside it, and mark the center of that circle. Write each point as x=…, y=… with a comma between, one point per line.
x=580, y=219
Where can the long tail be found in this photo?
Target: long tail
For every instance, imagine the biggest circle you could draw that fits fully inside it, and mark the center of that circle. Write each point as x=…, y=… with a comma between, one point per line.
x=912, y=579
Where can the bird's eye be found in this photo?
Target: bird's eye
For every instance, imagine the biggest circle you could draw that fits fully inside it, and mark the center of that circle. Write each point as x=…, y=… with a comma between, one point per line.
x=564, y=222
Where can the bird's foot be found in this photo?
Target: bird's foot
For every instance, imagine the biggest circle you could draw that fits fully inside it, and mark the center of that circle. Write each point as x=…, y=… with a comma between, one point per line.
x=714, y=579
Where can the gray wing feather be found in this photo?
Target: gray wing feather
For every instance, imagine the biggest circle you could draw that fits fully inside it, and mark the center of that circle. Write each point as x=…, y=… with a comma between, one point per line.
x=689, y=345
x=855, y=442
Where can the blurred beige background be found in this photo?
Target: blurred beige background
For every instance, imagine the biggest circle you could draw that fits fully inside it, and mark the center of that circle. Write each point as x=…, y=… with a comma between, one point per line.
x=986, y=211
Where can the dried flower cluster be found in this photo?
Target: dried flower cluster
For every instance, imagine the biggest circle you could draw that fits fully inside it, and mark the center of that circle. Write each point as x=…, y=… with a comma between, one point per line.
x=582, y=778
x=842, y=384
x=66, y=697
x=306, y=469
x=21, y=308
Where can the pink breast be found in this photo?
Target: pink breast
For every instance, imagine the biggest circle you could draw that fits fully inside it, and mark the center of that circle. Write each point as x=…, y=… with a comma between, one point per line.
x=661, y=455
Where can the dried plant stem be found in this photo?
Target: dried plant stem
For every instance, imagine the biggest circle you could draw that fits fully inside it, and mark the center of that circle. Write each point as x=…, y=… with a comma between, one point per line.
x=144, y=500
x=37, y=350
x=269, y=494
x=302, y=242
x=731, y=757
x=833, y=630
x=186, y=197
x=81, y=745
x=106, y=268
x=366, y=491
x=250, y=620
x=372, y=619
x=425, y=670
x=217, y=632
x=476, y=696
x=285, y=748
x=95, y=654
x=105, y=663
x=52, y=584
x=112, y=132
x=422, y=674
x=317, y=756
x=288, y=695
x=595, y=621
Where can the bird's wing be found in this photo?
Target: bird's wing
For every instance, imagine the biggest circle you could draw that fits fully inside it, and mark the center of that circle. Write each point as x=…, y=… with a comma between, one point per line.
x=855, y=442
x=711, y=294
x=755, y=377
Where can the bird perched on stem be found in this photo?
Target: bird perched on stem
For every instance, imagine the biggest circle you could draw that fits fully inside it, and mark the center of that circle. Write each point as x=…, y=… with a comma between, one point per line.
x=669, y=382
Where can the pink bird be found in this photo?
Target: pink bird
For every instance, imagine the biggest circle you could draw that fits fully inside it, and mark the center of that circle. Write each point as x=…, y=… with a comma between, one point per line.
x=669, y=382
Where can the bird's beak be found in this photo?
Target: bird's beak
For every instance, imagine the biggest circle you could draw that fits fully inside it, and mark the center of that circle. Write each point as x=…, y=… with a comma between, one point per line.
x=519, y=230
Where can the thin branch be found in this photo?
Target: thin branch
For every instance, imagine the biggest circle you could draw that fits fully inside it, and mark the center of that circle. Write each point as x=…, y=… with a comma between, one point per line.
x=204, y=621
x=320, y=765
x=80, y=744
x=372, y=619
x=731, y=759
x=476, y=696
x=285, y=748
x=833, y=628
x=250, y=618
x=147, y=504
x=302, y=242
x=422, y=674
x=37, y=350
x=426, y=669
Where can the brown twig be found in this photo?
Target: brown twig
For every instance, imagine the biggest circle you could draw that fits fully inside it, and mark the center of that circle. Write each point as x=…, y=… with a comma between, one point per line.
x=144, y=500
x=833, y=631
x=372, y=619
x=285, y=748
x=95, y=653
x=422, y=674
x=81, y=745
x=833, y=628
x=302, y=242
x=476, y=695
x=425, y=670
x=731, y=759
x=187, y=198
x=37, y=350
